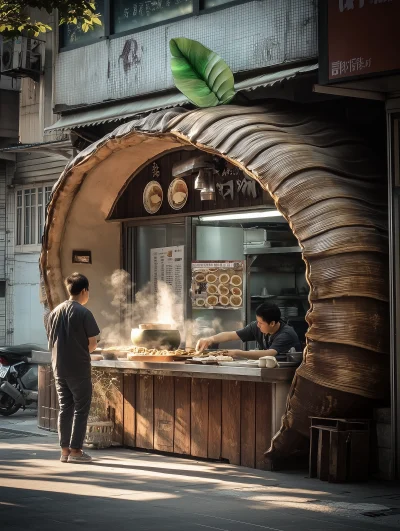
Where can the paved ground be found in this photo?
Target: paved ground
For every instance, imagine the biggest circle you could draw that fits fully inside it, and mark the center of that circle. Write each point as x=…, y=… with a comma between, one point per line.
x=135, y=491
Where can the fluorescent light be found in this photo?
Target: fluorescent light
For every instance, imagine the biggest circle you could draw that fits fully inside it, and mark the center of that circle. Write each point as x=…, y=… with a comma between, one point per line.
x=242, y=215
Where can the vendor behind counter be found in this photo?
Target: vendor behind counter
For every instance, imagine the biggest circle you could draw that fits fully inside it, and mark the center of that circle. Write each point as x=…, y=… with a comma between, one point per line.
x=273, y=336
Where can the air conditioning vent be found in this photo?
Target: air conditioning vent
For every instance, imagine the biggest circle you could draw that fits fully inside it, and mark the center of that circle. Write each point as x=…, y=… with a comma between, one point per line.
x=21, y=57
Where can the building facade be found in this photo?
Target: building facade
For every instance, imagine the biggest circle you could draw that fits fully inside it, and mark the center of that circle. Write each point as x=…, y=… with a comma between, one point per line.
x=30, y=166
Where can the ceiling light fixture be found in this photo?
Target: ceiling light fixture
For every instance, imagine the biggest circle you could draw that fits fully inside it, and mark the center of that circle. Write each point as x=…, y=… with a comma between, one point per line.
x=242, y=216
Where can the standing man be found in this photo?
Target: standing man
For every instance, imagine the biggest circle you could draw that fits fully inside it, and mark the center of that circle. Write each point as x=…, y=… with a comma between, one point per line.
x=272, y=335
x=72, y=331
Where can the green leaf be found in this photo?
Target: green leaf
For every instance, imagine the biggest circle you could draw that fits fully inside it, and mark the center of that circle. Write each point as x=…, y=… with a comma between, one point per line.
x=200, y=74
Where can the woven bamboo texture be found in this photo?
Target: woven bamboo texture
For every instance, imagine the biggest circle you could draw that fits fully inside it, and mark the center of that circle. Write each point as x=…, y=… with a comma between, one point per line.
x=330, y=188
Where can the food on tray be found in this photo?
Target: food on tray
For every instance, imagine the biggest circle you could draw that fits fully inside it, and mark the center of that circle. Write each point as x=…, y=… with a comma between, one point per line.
x=223, y=290
x=116, y=349
x=236, y=301
x=200, y=302
x=224, y=358
x=224, y=278
x=212, y=270
x=212, y=289
x=200, y=277
x=212, y=357
x=224, y=300
x=179, y=197
x=236, y=280
x=236, y=291
x=211, y=278
x=155, y=199
x=212, y=300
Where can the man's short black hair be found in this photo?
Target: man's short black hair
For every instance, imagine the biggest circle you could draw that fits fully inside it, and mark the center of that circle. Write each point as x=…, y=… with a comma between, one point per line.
x=268, y=312
x=75, y=283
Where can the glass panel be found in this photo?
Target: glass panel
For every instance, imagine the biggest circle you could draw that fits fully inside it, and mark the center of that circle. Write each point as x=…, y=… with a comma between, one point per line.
x=73, y=34
x=47, y=194
x=40, y=223
x=27, y=198
x=131, y=14
x=153, y=237
x=27, y=218
x=208, y=4
x=217, y=243
x=19, y=226
x=19, y=218
x=33, y=216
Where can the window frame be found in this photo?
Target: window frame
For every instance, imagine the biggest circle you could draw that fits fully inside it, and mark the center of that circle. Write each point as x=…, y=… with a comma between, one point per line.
x=198, y=10
x=20, y=220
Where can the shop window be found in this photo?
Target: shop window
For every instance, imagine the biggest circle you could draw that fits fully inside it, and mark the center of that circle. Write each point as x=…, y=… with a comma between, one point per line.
x=209, y=4
x=129, y=15
x=124, y=16
x=71, y=34
x=30, y=214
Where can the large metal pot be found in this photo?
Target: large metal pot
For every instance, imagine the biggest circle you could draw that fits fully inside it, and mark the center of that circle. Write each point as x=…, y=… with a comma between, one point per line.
x=158, y=336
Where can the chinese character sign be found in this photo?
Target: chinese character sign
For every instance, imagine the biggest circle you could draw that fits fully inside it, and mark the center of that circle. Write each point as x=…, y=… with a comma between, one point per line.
x=360, y=36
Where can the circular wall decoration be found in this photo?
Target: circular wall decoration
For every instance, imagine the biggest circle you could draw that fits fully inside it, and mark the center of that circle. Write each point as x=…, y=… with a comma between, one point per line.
x=177, y=194
x=152, y=197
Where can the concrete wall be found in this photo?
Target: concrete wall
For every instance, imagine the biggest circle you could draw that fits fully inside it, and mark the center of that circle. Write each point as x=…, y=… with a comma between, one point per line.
x=36, y=101
x=248, y=36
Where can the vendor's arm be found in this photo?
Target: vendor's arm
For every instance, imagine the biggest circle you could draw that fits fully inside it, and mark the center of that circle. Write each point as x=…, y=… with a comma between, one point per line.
x=223, y=337
x=252, y=354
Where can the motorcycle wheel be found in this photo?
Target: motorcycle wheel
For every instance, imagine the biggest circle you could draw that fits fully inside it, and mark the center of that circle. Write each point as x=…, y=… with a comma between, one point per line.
x=9, y=408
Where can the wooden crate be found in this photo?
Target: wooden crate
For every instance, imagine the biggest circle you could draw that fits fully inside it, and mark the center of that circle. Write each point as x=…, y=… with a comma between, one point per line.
x=339, y=449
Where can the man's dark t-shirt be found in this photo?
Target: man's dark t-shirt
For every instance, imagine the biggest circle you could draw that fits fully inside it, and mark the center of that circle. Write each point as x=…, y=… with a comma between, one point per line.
x=282, y=341
x=69, y=327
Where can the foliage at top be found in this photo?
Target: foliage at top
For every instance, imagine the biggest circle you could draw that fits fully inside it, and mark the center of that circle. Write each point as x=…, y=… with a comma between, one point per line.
x=200, y=74
x=15, y=19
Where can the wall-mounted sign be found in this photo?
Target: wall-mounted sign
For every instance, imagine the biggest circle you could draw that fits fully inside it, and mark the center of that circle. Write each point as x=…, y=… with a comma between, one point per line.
x=358, y=38
x=217, y=284
x=241, y=186
x=177, y=194
x=81, y=257
x=152, y=197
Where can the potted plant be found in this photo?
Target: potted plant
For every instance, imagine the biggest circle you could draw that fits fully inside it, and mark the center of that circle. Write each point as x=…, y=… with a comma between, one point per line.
x=99, y=431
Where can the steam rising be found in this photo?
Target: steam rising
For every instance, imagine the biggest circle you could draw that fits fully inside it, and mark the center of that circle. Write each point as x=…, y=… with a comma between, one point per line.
x=164, y=307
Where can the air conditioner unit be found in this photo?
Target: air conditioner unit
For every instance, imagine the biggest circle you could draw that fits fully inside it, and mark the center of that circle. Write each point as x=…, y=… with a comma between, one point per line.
x=21, y=57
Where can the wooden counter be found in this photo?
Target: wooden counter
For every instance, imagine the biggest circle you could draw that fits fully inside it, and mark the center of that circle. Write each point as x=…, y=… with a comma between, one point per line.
x=204, y=411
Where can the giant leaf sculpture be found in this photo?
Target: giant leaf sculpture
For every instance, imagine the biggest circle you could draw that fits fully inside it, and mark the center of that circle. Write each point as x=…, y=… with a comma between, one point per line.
x=200, y=74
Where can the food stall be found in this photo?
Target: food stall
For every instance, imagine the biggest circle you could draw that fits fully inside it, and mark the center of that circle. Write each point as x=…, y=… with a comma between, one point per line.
x=267, y=197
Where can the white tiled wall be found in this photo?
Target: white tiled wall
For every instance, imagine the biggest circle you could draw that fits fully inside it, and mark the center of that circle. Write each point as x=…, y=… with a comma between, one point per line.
x=248, y=36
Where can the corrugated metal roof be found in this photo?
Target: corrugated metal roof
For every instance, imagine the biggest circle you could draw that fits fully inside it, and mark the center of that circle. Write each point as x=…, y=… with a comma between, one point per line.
x=268, y=80
x=122, y=111
x=116, y=112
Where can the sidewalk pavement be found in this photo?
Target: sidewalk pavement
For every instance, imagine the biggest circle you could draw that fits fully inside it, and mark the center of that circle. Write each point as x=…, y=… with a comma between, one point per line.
x=137, y=491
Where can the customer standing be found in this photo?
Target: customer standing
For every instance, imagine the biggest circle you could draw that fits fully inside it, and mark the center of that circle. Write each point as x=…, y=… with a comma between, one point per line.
x=72, y=331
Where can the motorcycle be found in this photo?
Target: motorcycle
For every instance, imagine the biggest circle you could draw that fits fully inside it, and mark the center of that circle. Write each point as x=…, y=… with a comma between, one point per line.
x=18, y=379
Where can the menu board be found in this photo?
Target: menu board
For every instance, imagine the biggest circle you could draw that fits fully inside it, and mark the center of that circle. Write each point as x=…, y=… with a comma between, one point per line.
x=217, y=284
x=167, y=265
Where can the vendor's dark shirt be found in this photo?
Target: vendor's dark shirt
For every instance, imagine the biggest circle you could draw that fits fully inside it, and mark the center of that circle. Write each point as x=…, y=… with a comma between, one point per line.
x=282, y=341
x=69, y=327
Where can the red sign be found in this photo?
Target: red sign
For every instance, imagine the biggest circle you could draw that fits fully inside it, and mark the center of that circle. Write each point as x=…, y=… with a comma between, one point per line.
x=358, y=38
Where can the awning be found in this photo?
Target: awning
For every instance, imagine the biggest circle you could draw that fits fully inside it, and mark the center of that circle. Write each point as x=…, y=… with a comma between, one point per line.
x=268, y=80
x=56, y=147
x=116, y=112
x=121, y=111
